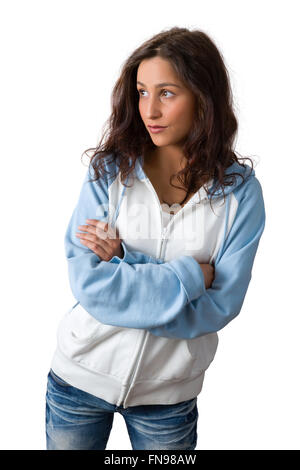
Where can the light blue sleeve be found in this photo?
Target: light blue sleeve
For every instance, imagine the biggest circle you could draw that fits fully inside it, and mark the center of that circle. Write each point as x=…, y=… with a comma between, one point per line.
x=137, y=291
x=222, y=302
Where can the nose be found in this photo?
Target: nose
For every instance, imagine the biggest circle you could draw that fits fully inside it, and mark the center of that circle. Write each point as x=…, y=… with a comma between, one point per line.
x=152, y=108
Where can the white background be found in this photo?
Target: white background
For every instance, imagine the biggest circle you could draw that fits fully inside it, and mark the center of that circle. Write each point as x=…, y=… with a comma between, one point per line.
x=59, y=62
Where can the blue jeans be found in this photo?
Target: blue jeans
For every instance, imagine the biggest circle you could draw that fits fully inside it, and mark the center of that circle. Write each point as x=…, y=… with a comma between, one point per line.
x=77, y=420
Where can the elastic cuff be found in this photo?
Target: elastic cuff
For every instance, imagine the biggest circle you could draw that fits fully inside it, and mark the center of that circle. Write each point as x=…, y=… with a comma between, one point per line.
x=190, y=274
x=116, y=259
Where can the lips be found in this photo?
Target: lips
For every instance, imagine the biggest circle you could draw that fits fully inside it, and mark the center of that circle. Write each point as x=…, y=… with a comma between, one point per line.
x=157, y=127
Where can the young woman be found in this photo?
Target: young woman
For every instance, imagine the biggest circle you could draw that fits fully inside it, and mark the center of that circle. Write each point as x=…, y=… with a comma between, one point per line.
x=156, y=268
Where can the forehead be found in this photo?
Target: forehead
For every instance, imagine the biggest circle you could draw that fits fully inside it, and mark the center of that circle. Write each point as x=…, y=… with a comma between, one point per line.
x=154, y=70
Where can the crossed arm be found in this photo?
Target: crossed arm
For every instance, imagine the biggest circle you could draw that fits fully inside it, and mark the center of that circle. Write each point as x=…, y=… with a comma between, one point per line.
x=171, y=299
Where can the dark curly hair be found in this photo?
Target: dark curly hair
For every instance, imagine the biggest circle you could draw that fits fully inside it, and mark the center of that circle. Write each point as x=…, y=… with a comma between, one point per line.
x=208, y=146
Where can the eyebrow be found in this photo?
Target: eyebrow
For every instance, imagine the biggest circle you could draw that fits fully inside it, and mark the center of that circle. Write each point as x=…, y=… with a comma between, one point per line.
x=161, y=84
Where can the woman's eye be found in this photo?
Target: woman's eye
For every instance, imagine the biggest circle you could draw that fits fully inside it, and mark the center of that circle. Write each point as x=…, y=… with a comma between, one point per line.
x=163, y=91
x=167, y=91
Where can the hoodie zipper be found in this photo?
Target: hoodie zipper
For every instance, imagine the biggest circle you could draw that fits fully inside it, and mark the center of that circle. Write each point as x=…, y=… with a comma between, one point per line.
x=145, y=334
x=162, y=241
x=138, y=357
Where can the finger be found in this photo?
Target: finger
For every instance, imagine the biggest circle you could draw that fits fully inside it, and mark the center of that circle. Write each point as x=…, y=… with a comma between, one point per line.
x=109, y=245
x=104, y=244
x=92, y=224
x=97, y=223
x=96, y=248
x=102, y=229
x=94, y=230
x=86, y=228
x=93, y=221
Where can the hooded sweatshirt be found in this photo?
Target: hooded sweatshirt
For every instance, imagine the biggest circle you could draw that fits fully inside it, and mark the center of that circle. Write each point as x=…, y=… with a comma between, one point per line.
x=144, y=328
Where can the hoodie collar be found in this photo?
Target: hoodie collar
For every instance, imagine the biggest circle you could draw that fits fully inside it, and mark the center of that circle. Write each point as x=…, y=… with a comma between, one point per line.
x=237, y=181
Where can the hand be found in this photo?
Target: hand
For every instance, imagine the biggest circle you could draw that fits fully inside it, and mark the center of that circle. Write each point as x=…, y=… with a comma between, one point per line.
x=101, y=238
x=209, y=273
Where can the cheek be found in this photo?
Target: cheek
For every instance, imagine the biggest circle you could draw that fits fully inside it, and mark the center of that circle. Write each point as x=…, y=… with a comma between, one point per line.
x=182, y=118
x=183, y=111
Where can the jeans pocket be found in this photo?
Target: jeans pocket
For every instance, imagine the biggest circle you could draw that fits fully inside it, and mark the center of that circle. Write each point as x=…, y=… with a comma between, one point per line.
x=58, y=380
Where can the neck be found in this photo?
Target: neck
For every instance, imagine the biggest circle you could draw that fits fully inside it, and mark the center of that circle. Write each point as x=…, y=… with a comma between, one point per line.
x=168, y=159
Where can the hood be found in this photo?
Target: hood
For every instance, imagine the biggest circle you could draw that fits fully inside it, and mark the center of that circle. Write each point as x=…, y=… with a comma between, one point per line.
x=237, y=181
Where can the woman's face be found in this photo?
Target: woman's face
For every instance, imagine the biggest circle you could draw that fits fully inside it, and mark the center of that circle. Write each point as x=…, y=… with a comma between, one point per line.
x=163, y=104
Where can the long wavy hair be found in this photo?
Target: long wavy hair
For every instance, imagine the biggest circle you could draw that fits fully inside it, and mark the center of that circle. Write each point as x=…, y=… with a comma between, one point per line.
x=208, y=147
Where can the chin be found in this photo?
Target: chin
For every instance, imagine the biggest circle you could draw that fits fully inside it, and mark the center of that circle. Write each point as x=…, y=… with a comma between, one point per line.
x=160, y=141
x=161, y=144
